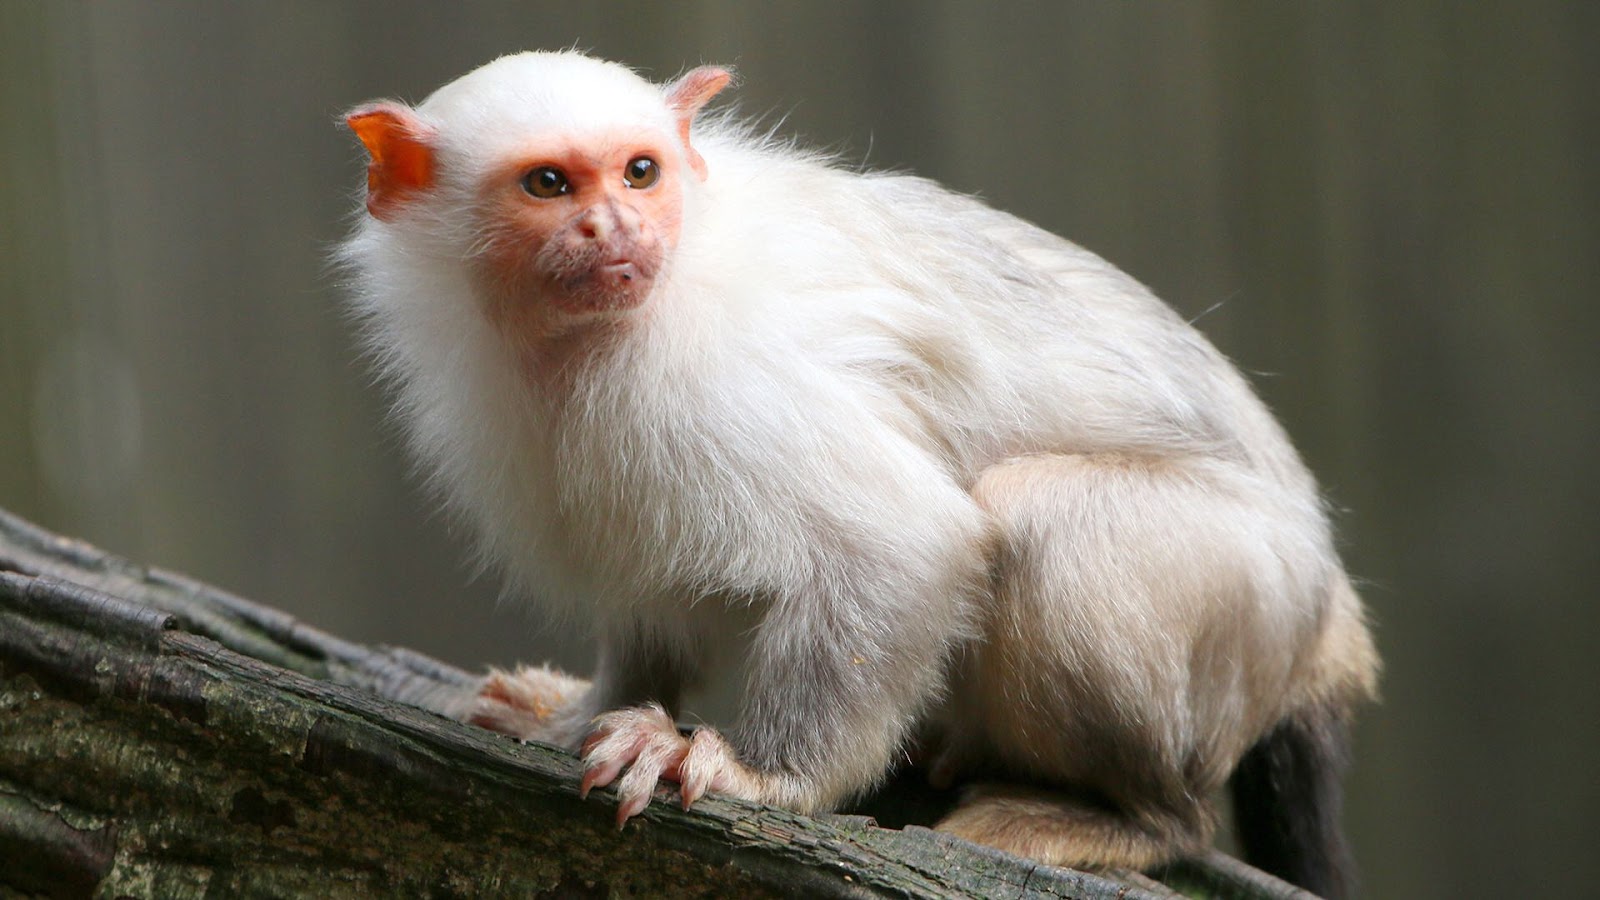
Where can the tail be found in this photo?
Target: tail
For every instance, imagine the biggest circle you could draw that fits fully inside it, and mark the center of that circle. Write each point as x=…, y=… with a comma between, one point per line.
x=1062, y=830
x=1287, y=802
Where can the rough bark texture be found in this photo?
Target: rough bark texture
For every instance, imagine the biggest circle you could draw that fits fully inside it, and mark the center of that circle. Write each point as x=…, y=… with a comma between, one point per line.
x=159, y=738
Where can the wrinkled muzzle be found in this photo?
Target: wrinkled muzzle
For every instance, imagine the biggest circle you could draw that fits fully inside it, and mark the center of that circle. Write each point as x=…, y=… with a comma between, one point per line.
x=604, y=258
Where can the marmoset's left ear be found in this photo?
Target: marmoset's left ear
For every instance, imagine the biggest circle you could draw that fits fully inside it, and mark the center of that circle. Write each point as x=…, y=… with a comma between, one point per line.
x=686, y=97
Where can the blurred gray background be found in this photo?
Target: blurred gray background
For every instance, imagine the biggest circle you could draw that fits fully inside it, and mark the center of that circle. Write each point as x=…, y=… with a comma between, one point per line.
x=1391, y=212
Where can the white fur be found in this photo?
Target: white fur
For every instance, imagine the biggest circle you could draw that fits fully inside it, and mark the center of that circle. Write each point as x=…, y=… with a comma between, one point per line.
x=797, y=419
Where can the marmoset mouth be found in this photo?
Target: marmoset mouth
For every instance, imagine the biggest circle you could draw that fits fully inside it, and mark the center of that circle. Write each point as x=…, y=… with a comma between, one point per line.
x=623, y=268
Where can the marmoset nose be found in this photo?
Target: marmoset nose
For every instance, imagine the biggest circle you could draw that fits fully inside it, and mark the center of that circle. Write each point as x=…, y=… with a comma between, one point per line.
x=597, y=224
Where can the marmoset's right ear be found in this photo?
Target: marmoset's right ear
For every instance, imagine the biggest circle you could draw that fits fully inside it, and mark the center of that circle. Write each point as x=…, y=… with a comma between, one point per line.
x=401, y=152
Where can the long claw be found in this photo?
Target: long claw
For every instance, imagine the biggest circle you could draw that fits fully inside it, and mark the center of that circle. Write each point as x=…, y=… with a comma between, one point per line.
x=605, y=754
x=631, y=806
x=598, y=776
x=710, y=765
x=693, y=789
x=697, y=769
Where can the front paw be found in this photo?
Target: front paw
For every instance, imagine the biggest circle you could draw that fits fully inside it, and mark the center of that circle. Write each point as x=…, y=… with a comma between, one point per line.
x=645, y=741
x=528, y=704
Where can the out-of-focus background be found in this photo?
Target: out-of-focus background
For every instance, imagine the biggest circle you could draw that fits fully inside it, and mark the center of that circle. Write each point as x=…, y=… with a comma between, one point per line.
x=1388, y=213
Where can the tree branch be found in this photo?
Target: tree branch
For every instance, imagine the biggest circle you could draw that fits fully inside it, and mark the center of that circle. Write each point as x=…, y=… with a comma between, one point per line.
x=160, y=738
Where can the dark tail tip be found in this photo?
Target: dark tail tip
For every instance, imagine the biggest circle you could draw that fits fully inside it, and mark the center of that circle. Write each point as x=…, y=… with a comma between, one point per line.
x=1287, y=802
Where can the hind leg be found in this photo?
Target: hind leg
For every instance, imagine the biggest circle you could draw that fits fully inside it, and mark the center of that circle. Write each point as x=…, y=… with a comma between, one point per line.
x=1149, y=620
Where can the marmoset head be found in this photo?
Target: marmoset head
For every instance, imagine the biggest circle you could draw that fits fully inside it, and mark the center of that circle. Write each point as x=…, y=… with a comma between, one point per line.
x=564, y=175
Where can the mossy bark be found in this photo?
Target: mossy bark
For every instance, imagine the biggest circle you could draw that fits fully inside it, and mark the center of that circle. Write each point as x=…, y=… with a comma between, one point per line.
x=162, y=739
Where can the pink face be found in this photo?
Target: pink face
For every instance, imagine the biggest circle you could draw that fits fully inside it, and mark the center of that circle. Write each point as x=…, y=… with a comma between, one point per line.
x=581, y=225
x=574, y=226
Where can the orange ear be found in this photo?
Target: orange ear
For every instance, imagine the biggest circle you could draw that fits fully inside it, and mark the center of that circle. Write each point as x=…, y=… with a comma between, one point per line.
x=402, y=158
x=687, y=95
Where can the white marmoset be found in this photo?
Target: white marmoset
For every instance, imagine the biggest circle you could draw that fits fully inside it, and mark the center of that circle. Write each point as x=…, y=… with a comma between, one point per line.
x=913, y=470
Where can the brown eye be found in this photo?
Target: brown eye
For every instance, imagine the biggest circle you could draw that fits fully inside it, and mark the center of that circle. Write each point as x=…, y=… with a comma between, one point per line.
x=545, y=182
x=641, y=173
